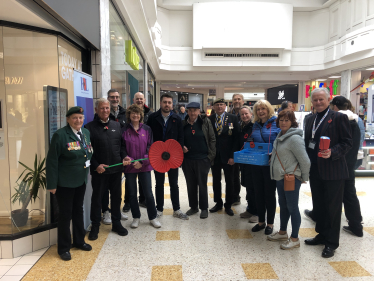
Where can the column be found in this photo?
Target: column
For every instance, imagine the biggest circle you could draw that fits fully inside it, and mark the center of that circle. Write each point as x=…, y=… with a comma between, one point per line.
x=158, y=95
x=355, y=95
x=220, y=91
x=103, y=57
x=345, y=84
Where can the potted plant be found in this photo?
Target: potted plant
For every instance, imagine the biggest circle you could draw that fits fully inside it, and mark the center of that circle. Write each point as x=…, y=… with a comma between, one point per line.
x=27, y=190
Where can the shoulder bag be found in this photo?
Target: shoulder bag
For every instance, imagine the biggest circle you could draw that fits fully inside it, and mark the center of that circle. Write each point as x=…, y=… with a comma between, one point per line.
x=289, y=179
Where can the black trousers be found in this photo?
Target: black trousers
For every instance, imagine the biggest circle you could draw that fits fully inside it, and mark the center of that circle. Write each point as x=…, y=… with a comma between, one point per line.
x=247, y=182
x=196, y=174
x=100, y=184
x=352, y=204
x=217, y=186
x=70, y=201
x=327, y=196
x=127, y=194
x=264, y=188
x=237, y=185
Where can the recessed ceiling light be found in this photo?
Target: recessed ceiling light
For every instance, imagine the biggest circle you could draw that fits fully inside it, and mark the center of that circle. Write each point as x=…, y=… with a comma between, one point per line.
x=193, y=88
x=334, y=77
x=178, y=87
x=372, y=68
x=120, y=37
x=321, y=79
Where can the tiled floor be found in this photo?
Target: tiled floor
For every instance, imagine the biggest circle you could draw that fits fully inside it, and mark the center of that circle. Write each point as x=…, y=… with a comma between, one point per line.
x=15, y=269
x=221, y=248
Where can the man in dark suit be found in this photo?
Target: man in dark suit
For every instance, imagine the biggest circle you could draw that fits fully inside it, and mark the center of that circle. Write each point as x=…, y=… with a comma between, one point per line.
x=165, y=125
x=328, y=170
x=226, y=128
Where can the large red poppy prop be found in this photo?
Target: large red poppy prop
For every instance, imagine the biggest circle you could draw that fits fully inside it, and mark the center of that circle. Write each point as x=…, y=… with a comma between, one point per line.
x=165, y=155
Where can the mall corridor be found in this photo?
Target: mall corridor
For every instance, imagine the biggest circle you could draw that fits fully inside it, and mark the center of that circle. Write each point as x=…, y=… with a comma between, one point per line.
x=219, y=248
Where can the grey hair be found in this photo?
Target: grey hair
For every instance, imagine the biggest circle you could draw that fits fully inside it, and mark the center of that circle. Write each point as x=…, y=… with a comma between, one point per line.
x=99, y=101
x=247, y=107
x=317, y=90
x=238, y=95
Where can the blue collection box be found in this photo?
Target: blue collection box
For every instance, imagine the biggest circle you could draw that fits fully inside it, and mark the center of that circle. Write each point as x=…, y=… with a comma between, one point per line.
x=256, y=156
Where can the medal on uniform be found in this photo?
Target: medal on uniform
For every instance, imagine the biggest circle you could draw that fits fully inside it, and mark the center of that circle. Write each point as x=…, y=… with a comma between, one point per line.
x=230, y=132
x=68, y=145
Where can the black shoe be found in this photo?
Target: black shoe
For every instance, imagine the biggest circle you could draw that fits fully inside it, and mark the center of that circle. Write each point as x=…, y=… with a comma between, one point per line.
x=268, y=230
x=309, y=214
x=126, y=208
x=192, y=211
x=229, y=211
x=204, y=214
x=94, y=233
x=121, y=231
x=258, y=227
x=65, y=256
x=142, y=204
x=84, y=247
x=216, y=208
x=328, y=252
x=313, y=242
x=351, y=231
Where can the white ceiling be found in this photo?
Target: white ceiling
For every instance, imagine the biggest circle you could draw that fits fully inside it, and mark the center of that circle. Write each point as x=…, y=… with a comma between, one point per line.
x=299, y=5
x=13, y=11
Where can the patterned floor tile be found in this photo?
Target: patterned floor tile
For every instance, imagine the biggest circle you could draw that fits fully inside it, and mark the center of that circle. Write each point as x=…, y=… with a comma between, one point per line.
x=308, y=193
x=167, y=235
x=238, y=233
x=212, y=195
x=223, y=211
x=369, y=230
x=349, y=269
x=168, y=212
x=307, y=232
x=167, y=272
x=166, y=196
x=259, y=271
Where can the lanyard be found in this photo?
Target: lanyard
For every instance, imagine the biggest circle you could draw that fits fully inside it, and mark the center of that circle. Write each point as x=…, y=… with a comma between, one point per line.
x=314, y=129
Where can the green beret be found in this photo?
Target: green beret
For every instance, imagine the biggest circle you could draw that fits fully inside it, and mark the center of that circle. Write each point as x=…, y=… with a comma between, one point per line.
x=219, y=101
x=75, y=109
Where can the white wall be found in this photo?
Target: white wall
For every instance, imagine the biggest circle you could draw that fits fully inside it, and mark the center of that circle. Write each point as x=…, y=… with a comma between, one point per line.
x=176, y=27
x=242, y=25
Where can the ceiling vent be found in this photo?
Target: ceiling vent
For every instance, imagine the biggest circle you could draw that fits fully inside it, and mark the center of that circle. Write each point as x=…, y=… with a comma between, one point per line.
x=232, y=55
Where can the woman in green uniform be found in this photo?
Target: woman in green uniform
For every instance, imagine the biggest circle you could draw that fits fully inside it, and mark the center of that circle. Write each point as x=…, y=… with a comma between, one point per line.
x=67, y=167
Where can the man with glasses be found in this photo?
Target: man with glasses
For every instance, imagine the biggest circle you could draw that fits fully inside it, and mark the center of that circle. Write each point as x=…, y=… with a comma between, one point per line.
x=117, y=112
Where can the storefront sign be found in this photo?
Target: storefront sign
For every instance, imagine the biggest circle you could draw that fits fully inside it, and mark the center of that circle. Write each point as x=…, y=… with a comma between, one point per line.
x=132, y=57
x=67, y=64
x=83, y=94
x=13, y=80
x=283, y=93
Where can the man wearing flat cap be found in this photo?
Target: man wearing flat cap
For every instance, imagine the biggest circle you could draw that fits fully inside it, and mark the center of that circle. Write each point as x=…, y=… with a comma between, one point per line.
x=67, y=166
x=226, y=129
x=199, y=152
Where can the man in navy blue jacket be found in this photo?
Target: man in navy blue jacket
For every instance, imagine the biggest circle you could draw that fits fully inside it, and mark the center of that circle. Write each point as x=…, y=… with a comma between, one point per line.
x=165, y=125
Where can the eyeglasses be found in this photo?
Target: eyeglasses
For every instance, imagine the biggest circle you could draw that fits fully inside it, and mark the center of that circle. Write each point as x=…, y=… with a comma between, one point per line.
x=114, y=97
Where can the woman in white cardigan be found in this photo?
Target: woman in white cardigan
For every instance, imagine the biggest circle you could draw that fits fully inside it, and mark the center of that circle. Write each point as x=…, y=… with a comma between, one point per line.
x=289, y=152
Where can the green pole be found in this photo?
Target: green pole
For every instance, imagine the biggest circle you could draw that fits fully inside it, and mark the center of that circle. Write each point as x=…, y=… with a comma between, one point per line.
x=122, y=163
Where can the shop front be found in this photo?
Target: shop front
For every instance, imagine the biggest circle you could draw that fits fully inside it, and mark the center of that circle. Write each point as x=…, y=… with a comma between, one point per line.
x=33, y=65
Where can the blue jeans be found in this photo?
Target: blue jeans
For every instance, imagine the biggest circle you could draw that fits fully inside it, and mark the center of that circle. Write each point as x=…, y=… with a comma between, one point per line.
x=146, y=185
x=174, y=189
x=289, y=206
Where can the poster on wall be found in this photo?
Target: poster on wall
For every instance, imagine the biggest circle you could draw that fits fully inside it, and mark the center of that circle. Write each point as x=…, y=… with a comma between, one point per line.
x=83, y=94
x=182, y=97
x=277, y=95
x=57, y=100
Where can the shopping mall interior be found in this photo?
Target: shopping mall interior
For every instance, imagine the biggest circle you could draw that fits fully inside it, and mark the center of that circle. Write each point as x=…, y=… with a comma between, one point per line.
x=196, y=51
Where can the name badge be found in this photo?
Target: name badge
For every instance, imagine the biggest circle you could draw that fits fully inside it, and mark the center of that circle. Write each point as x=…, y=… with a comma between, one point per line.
x=88, y=163
x=312, y=144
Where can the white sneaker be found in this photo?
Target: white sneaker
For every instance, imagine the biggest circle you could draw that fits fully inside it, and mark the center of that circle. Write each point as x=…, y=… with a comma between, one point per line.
x=156, y=223
x=124, y=217
x=106, y=218
x=159, y=214
x=253, y=219
x=135, y=223
x=277, y=237
x=179, y=214
x=289, y=244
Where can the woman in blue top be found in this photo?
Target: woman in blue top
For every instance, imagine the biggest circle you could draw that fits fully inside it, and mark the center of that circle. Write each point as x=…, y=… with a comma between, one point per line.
x=264, y=130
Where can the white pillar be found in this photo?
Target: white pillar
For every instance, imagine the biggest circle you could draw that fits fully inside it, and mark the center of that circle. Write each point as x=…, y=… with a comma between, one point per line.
x=104, y=76
x=158, y=95
x=345, y=83
x=355, y=95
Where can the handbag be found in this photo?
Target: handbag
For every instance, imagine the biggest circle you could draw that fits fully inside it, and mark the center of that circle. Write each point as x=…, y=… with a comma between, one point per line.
x=289, y=179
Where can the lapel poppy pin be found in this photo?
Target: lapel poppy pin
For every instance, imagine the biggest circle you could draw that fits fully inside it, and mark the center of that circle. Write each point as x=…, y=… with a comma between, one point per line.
x=268, y=125
x=252, y=144
x=246, y=136
x=193, y=132
x=330, y=121
x=106, y=128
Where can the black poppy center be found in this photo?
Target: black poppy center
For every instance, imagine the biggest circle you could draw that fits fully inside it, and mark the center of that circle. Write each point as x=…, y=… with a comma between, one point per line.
x=165, y=155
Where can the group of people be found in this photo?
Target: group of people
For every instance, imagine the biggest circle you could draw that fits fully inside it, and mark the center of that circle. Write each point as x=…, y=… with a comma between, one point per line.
x=118, y=141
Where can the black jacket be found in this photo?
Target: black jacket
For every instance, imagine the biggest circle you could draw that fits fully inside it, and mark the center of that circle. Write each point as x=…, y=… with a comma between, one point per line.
x=107, y=145
x=246, y=169
x=147, y=112
x=336, y=127
x=174, y=129
x=121, y=117
x=208, y=134
x=228, y=141
x=351, y=156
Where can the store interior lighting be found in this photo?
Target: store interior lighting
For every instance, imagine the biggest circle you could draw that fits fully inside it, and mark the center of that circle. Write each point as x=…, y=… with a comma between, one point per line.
x=321, y=79
x=334, y=77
